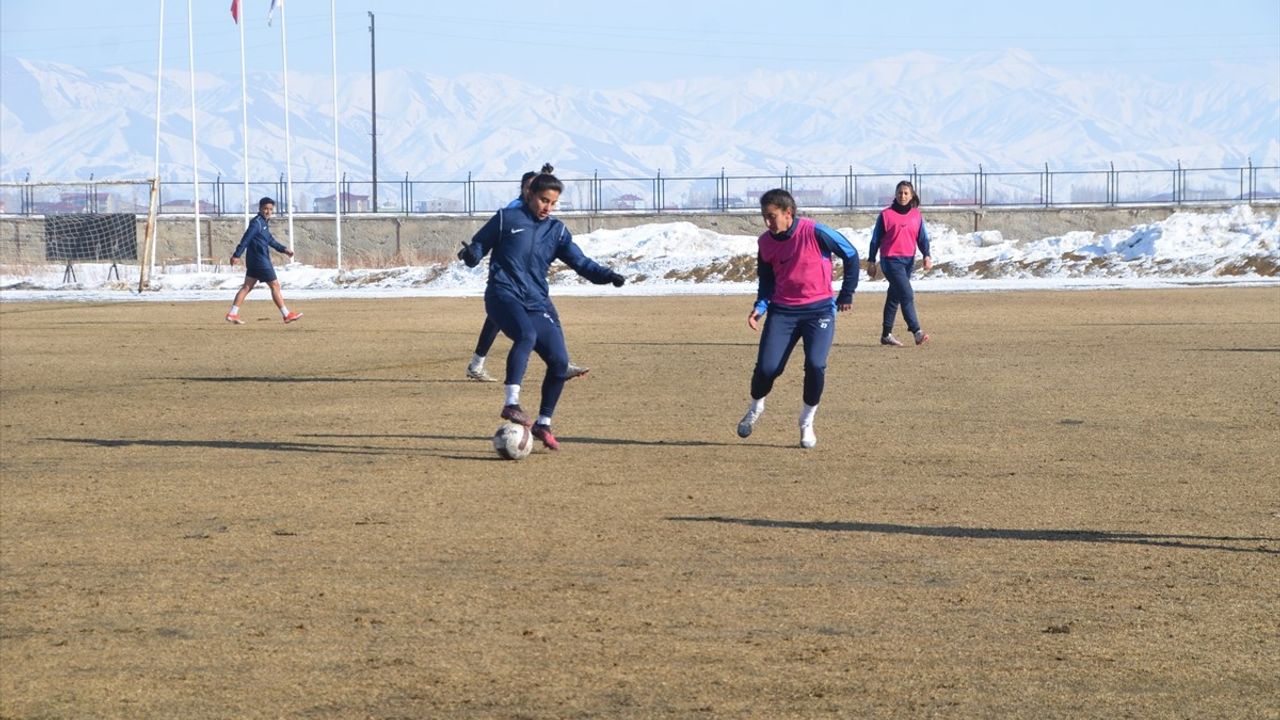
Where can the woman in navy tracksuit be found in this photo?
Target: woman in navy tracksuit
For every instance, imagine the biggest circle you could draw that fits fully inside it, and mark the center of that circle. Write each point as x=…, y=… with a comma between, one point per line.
x=489, y=331
x=794, y=269
x=524, y=241
x=899, y=231
x=256, y=246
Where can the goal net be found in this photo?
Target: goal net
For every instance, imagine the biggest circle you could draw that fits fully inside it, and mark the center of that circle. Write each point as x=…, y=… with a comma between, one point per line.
x=91, y=228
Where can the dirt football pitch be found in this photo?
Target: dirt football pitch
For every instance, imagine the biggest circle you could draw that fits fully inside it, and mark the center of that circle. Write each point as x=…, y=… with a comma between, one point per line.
x=1066, y=505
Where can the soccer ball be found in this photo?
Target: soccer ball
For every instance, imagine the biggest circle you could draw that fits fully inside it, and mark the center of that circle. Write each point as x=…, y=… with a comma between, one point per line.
x=512, y=441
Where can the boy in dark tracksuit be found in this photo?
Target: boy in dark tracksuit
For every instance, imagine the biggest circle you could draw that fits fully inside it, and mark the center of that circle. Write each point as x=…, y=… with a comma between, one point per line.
x=794, y=269
x=256, y=246
x=524, y=241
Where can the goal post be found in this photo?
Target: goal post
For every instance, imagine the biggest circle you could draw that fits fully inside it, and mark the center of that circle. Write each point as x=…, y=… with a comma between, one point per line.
x=149, y=237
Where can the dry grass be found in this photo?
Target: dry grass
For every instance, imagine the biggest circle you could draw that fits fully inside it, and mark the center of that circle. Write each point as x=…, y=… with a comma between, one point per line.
x=1064, y=506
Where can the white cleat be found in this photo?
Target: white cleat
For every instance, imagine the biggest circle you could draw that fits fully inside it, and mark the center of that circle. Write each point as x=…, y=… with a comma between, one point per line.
x=748, y=423
x=807, y=437
x=479, y=375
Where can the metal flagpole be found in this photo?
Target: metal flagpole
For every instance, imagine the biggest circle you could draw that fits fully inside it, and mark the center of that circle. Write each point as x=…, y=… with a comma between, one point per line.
x=288, y=151
x=337, y=174
x=244, y=117
x=195, y=150
x=159, y=86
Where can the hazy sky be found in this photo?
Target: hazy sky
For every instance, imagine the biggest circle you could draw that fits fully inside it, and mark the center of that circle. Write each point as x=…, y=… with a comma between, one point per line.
x=590, y=43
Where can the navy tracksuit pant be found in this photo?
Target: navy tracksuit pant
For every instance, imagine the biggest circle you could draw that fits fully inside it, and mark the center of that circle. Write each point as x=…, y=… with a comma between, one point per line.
x=783, y=328
x=532, y=331
x=897, y=270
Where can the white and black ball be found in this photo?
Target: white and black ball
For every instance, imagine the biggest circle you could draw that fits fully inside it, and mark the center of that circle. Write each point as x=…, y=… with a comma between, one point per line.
x=512, y=441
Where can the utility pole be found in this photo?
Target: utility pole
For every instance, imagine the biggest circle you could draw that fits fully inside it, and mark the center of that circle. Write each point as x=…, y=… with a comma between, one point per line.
x=373, y=112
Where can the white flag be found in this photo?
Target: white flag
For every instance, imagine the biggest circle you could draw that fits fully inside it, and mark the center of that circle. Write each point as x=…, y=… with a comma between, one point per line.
x=271, y=13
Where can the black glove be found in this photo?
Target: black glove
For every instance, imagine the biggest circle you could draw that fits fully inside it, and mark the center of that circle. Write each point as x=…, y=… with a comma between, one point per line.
x=617, y=279
x=462, y=254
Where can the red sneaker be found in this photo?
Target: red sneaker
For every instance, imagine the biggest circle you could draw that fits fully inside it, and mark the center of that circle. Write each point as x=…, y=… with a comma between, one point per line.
x=515, y=414
x=291, y=317
x=234, y=319
x=543, y=433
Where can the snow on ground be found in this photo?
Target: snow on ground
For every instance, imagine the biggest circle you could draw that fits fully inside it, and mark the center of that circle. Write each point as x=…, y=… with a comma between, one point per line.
x=1231, y=247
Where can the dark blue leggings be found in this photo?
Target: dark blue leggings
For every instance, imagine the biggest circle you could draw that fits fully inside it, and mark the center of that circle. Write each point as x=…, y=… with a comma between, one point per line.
x=897, y=270
x=782, y=330
x=488, y=333
x=533, y=331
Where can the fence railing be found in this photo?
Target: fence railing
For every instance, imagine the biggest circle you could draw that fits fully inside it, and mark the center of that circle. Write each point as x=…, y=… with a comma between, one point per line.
x=718, y=193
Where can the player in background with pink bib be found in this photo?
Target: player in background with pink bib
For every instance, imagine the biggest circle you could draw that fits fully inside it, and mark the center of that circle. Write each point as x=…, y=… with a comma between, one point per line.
x=794, y=270
x=899, y=231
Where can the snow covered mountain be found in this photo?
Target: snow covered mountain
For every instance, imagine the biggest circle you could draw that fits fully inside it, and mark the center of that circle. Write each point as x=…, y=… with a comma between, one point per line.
x=1005, y=111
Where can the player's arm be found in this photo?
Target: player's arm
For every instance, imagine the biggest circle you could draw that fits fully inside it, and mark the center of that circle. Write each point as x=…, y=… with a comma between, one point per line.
x=244, y=240
x=837, y=244
x=876, y=233
x=568, y=252
x=922, y=242
x=275, y=244
x=482, y=242
x=765, y=283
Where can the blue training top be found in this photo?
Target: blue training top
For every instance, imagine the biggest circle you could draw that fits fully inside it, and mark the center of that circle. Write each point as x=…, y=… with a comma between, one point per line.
x=523, y=249
x=256, y=245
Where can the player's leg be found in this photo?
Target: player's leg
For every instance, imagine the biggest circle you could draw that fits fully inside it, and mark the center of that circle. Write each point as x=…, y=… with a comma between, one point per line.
x=488, y=334
x=818, y=332
x=514, y=321
x=278, y=298
x=551, y=348
x=908, y=299
x=233, y=315
x=777, y=339
x=892, y=300
x=574, y=370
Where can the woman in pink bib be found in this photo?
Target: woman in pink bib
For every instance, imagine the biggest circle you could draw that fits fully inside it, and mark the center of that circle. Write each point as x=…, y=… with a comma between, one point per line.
x=899, y=231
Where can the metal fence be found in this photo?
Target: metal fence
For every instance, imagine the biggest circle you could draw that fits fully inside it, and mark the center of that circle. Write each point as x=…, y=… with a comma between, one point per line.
x=658, y=194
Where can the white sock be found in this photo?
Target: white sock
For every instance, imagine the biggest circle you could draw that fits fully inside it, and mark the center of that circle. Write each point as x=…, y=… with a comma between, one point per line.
x=235, y=310
x=513, y=394
x=284, y=311
x=757, y=406
x=806, y=414
x=543, y=420
x=477, y=362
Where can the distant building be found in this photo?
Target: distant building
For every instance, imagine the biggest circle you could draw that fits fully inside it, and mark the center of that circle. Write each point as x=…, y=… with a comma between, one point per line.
x=804, y=197
x=628, y=202
x=185, y=205
x=437, y=205
x=351, y=203
x=77, y=202
x=809, y=198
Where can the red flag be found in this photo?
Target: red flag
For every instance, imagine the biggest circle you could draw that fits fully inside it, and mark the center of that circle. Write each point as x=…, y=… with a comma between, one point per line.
x=235, y=11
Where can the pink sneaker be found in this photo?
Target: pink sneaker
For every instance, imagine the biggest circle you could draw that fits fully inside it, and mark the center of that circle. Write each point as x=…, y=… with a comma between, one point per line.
x=234, y=319
x=543, y=433
x=921, y=338
x=291, y=317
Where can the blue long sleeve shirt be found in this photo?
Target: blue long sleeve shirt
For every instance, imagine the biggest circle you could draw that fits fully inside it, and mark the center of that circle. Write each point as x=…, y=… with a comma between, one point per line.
x=523, y=249
x=256, y=245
